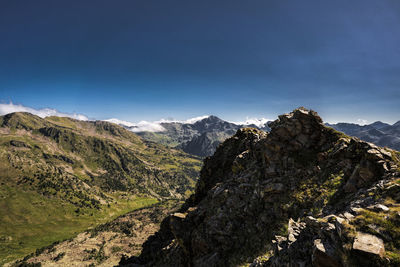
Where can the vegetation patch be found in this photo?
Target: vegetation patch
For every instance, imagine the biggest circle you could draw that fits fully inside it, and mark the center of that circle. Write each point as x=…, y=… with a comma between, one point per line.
x=385, y=226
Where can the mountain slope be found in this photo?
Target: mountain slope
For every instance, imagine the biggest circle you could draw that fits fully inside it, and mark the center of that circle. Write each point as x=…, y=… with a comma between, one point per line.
x=379, y=133
x=322, y=197
x=60, y=175
x=200, y=138
x=107, y=243
x=205, y=144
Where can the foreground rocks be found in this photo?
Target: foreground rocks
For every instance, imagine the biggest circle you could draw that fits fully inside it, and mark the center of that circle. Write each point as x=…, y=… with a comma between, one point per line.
x=369, y=244
x=301, y=195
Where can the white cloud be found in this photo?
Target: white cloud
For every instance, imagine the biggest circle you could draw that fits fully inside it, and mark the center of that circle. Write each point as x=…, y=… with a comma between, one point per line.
x=45, y=112
x=143, y=126
x=362, y=121
x=146, y=126
x=196, y=119
x=257, y=122
x=189, y=121
x=121, y=122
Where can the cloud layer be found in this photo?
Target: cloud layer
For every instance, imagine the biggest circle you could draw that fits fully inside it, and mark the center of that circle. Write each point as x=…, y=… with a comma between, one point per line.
x=45, y=112
x=156, y=126
x=255, y=121
x=189, y=121
x=143, y=126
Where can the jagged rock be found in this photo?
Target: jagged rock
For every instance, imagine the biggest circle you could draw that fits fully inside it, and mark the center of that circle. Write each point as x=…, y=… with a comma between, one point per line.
x=369, y=245
x=324, y=255
x=258, y=191
x=379, y=207
x=348, y=215
x=294, y=229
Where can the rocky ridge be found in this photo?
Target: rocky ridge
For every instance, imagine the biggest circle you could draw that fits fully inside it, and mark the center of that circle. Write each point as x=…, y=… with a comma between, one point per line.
x=301, y=195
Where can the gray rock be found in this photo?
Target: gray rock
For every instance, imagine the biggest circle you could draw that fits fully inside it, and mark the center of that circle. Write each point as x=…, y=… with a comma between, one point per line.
x=323, y=255
x=369, y=244
x=378, y=208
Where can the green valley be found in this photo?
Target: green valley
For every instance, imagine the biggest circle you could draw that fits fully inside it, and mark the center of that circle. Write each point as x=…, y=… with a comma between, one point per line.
x=60, y=176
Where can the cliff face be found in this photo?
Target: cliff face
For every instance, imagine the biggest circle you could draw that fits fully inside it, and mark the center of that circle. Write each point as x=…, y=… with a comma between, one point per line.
x=303, y=194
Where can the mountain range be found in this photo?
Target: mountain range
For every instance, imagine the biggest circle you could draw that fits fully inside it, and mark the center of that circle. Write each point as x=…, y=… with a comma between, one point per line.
x=198, y=137
x=203, y=136
x=379, y=133
x=324, y=198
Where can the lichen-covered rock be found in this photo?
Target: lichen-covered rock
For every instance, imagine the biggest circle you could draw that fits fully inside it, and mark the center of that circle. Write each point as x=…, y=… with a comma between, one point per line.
x=293, y=197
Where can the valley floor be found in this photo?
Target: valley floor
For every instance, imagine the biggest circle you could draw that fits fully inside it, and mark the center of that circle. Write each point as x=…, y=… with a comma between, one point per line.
x=43, y=225
x=107, y=243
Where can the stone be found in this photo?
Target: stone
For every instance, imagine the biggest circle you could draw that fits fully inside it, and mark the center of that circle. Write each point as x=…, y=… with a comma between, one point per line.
x=323, y=255
x=375, y=152
x=311, y=221
x=274, y=188
x=369, y=244
x=339, y=225
x=348, y=215
x=179, y=215
x=378, y=208
x=386, y=153
x=356, y=210
x=365, y=173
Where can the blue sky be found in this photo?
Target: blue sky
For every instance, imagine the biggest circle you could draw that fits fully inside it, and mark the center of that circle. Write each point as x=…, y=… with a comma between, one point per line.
x=146, y=60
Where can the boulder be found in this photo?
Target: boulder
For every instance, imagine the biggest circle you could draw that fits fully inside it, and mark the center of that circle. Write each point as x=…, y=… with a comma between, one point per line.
x=369, y=245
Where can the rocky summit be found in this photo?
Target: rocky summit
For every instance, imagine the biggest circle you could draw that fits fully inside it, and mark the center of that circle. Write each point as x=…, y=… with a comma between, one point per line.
x=301, y=195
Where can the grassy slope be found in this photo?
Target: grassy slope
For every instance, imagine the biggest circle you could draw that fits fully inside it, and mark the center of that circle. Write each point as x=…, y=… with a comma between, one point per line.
x=123, y=236
x=60, y=176
x=33, y=221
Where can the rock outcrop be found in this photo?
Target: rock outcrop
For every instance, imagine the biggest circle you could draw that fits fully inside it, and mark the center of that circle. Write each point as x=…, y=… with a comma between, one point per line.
x=301, y=195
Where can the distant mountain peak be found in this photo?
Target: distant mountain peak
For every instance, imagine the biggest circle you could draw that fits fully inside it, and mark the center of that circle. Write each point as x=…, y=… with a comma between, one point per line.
x=379, y=124
x=210, y=119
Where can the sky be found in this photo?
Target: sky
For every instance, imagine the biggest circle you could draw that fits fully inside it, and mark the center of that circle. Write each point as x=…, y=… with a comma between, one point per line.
x=147, y=60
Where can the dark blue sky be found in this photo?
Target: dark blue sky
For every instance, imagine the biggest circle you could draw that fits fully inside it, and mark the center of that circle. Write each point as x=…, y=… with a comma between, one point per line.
x=145, y=59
